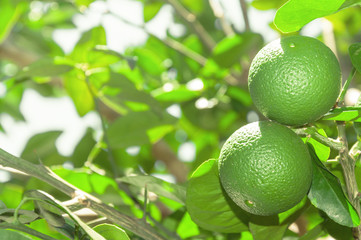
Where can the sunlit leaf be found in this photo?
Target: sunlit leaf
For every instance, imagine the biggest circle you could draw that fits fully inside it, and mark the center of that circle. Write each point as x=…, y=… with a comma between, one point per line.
x=327, y=195
x=267, y=4
x=240, y=95
x=195, y=6
x=78, y=89
x=91, y=183
x=294, y=14
x=229, y=51
x=9, y=14
x=111, y=232
x=322, y=151
x=220, y=214
x=344, y=114
x=85, y=3
x=187, y=227
x=11, y=194
x=89, y=40
x=180, y=94
x=150, y=9
x=149, y=61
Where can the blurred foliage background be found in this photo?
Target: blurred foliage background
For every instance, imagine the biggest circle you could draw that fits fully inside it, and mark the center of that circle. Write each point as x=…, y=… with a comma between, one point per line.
x=164, y=91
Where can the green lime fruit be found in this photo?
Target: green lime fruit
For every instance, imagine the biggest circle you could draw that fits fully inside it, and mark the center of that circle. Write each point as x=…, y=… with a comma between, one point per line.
x=294, y=80
x=265, y=168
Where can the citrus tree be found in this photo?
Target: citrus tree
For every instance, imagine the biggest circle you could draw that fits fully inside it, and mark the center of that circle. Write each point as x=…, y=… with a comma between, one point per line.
x=258, y=139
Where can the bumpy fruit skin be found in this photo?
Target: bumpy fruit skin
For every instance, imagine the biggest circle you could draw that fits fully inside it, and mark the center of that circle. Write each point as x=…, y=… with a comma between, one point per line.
x=294, y=80
x=265, y=168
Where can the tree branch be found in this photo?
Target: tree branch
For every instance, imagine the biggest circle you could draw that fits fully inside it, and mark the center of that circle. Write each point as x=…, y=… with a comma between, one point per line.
x=44, y=174
x=219, y=13
x=191, y=20
x=169, y=42
x=245, y=14
x=348, y=167
x=332, y=143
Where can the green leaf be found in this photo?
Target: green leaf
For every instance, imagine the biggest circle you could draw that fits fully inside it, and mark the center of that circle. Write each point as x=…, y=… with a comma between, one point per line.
x=2, y=205
x=149, y=61
x=194, y=6
x=82, y=52
x=24, y=216
x=11, y=194
x=52, y=205
x=322, y=151
x=83, y=149
x=208, y=204
x=43, y=68
x=267, y=4
x=274, y=227
x=41, y=147
x=314, y=233
x=181, y=94
x=240, y=95
x=77, y=88
x=12, y=235
x=121, y=93
x=10, y=103
x=90, y=183
x=327, y=195
x=132, y=129
x=260, y=232
x=355, y=55
x=9, y=14
x=158, y=186
x=111, y=232
x=337, y=231
x=345, y=114
x=51, y=213
x=151, y=8
x=294, y=14
x=85, y=3
x=187, y=228
x=229, y=51
x=350, y=3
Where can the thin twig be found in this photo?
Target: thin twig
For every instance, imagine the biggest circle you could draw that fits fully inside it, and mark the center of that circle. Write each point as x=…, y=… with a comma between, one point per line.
x=332, y=143
x=104, y=129
x=345, y=86
x=245, y=14
x=219, y=13
x=191, y=20
x=168, y=41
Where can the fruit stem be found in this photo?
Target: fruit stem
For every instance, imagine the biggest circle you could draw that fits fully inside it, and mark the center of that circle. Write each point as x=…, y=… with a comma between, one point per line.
x=345, y=87
x=348, y=167
x=312, y=132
